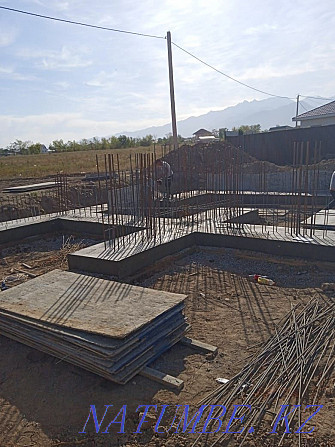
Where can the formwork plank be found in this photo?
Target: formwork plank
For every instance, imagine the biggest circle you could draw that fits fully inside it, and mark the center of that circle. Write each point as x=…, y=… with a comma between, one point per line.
x=165, y=379
x=199, y=345
x=86, y=303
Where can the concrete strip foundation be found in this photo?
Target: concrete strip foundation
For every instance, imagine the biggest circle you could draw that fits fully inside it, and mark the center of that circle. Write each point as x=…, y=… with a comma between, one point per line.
x=133, y=249
x=92, y=262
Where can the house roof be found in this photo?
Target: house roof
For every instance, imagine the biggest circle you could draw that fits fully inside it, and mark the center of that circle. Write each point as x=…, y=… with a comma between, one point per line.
x=325, y=110
x=202, y=132
x=207, y=137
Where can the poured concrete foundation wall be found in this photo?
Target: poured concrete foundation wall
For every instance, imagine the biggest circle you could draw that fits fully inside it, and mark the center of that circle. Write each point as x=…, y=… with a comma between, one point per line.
x=130, y=265
x=281, y=248
x=275, y=182
x=87, y=261
x=34, y=228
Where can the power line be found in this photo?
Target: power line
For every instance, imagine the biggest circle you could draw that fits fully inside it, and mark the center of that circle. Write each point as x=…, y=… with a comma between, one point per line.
x=230, y=77
x=301, y=104
x=88, y=25
x=81, y=23
x=318, y=97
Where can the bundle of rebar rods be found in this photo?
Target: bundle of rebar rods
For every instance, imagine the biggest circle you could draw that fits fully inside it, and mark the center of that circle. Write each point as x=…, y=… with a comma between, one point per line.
x=292, y=368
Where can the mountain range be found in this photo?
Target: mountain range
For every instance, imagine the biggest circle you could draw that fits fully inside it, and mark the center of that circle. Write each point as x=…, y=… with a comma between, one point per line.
x=268, y=113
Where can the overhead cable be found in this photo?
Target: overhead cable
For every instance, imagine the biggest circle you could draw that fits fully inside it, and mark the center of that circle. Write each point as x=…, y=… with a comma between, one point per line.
x=230, y=77
x=318, y=97
x=157, y=37
x=81, y=23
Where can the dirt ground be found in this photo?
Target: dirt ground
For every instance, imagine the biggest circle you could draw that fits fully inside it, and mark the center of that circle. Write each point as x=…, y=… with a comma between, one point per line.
x=45, y=401
x=35, y=256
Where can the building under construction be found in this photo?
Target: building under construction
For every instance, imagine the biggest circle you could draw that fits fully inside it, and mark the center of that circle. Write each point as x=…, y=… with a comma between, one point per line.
x=101, y=318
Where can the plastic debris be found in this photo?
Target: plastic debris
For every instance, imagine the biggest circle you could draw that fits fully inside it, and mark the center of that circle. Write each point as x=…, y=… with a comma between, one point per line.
x=3, y=286
x=222, y=380
x=262, y=279
x=265, y=280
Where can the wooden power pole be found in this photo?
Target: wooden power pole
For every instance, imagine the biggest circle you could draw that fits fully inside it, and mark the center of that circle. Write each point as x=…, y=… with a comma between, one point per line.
x=173, y=105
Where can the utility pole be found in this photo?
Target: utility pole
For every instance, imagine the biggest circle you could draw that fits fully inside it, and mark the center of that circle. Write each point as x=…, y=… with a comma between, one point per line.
x=173, y=105
x=297, y=112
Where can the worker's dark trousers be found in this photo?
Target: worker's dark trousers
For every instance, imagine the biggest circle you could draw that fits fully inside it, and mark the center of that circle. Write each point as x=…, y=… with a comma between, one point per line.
x=167, y=184
x=332, y=203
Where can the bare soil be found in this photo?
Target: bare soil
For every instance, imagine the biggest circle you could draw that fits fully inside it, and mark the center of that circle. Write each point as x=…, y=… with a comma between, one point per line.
x=45, y=401
x=36, y=255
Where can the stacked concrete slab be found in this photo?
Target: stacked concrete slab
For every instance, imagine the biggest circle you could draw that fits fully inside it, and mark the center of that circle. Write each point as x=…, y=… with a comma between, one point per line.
x=108, y=328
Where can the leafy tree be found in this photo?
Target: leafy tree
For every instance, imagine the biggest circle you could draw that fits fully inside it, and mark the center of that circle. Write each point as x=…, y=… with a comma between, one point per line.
x=222, y=132
x=34, y=148
x=123, y=140
x=146, y=141
x=57, y=146
x=19, y=147
x=253, y=128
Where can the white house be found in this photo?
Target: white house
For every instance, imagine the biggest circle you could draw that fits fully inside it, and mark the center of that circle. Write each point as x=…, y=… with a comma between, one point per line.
x=321, y=116
x=204, y=136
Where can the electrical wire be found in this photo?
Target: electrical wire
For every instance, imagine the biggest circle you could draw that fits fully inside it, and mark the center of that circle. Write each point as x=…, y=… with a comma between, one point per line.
x=81, y=23
x=230, y=77
x=301, y=104
x=318, y=97
x=157, y=37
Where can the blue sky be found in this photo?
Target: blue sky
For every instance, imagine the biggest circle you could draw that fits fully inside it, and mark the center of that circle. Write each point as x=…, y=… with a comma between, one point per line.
x=70, y=82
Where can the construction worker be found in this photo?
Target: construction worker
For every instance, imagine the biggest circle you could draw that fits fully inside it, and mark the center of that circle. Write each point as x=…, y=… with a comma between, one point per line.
x=332, y=192
x=164, y=175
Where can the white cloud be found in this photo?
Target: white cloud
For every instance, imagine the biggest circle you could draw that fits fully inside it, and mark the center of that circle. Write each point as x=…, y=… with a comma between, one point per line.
x=64, y=59
x=67, y=126
x=62, y=6
x=63, y=85
x=7, y=36
x=117, y=81
x=268, y=71
x=6, y=70
x=59, y=5
x=260, y=29
x=11, y=74
x=102, y=79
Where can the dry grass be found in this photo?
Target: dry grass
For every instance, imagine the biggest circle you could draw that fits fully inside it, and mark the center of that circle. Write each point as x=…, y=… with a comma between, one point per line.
x=43, y=165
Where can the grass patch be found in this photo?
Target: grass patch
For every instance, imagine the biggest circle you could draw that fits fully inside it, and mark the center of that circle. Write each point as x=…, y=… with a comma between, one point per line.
x=43, y=165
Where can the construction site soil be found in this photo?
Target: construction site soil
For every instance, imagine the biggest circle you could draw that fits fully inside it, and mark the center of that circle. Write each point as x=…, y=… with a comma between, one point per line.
x=45, y=401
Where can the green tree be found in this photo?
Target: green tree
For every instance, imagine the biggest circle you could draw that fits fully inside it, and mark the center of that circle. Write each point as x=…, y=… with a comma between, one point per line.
x=19, y=147
x=146, y=141
x=253, y=128
x=123, y=140
x=58, y=146
x=222, y=132
x=34, y=148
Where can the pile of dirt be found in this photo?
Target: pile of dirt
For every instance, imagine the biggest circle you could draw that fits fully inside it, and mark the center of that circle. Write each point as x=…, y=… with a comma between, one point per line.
x=258, y=167
x=213, y=158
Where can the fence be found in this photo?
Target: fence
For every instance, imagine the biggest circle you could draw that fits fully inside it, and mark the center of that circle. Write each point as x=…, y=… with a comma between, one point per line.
x=277, y=146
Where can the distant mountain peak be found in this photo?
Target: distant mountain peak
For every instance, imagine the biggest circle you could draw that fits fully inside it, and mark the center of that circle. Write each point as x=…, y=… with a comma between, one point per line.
x=268, y=113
